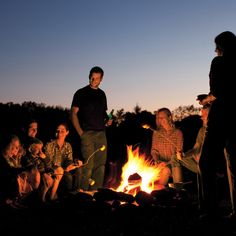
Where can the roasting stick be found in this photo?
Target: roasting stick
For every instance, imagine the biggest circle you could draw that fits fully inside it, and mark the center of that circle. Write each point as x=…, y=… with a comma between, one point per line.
x=146, y=126
x=102, y=148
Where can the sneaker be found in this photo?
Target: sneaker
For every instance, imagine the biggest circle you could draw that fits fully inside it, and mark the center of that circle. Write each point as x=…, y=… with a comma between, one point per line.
x=74, y=192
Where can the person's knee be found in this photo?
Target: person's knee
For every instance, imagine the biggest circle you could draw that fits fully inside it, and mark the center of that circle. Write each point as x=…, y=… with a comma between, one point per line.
x=59, y=170
x=166, y=172
x=164, y=176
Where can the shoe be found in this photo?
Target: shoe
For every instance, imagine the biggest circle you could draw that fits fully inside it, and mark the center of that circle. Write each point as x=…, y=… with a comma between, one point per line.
x=15, y=203
x=53, y=201
x=209, y=218
x=74, y=192
x=231, y=217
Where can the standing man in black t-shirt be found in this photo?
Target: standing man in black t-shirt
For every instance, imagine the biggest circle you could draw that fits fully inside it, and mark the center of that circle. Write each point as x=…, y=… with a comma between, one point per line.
x=89, y=117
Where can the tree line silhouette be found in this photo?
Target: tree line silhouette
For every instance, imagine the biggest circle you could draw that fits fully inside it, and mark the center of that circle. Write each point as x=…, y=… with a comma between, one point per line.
x=126, y=128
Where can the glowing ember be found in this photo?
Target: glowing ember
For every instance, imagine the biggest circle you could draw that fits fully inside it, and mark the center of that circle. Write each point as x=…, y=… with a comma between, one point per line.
x=138, y=165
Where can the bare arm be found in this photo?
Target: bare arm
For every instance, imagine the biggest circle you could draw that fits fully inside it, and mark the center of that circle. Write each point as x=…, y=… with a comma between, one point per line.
x=155, y=155
x=75, y=120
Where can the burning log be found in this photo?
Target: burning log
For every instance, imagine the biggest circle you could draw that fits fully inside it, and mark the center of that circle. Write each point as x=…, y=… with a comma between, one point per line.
x=81, y=197
x=105, y=194
x=135, y=179
x=164, y=196
x=144, y=199
x=124, y=197
x=138, y=173
x=134, y=184
x=171, y=196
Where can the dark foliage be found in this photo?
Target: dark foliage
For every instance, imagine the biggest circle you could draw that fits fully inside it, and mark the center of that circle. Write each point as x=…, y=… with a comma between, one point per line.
x=128, y=132
x=80, y=213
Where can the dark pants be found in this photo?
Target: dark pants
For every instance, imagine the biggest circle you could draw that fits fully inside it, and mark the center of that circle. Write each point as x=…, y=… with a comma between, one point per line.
x=190, y=163
x=71, y=180
x=94, y=159
x=220, y=136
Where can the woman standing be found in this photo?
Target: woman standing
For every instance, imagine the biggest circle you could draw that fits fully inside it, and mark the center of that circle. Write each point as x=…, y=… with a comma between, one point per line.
x=221, y=126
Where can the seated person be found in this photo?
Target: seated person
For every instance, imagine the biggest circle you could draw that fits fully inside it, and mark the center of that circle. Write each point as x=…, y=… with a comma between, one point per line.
x=36, y=161
x=29, y=131
x=15, y=181
x=60, y=154
x=190, y=159
x=167, y=140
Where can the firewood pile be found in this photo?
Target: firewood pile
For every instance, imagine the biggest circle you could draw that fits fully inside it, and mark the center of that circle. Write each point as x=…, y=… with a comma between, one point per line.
x=164, y=197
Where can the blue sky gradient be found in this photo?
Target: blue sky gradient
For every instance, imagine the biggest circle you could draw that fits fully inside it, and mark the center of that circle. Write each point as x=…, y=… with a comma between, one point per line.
x=154, y=53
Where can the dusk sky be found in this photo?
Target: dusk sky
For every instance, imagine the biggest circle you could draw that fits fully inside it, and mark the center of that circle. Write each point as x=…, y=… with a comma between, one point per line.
x=155, y=53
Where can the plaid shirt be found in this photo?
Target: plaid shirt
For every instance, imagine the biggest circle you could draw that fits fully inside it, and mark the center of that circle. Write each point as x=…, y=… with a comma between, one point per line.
x=59, y=157
x=167, y=143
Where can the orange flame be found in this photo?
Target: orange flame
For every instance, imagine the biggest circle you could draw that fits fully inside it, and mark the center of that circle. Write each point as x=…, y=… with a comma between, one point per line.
x=139, y=164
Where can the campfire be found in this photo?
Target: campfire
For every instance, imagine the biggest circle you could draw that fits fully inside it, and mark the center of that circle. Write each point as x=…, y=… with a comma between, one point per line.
x=139, y=185
x=138, y=174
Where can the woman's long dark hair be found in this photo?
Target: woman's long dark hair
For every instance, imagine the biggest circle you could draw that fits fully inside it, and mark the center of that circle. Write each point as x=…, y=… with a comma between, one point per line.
x=226, y=41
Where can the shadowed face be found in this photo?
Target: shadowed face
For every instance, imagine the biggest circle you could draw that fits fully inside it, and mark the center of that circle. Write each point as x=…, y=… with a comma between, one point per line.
x=162, y=119
x=218, y=51
x=33, y=129
x=14, y=148
x=95, y=80
x=61, y=132
x=36, y=148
